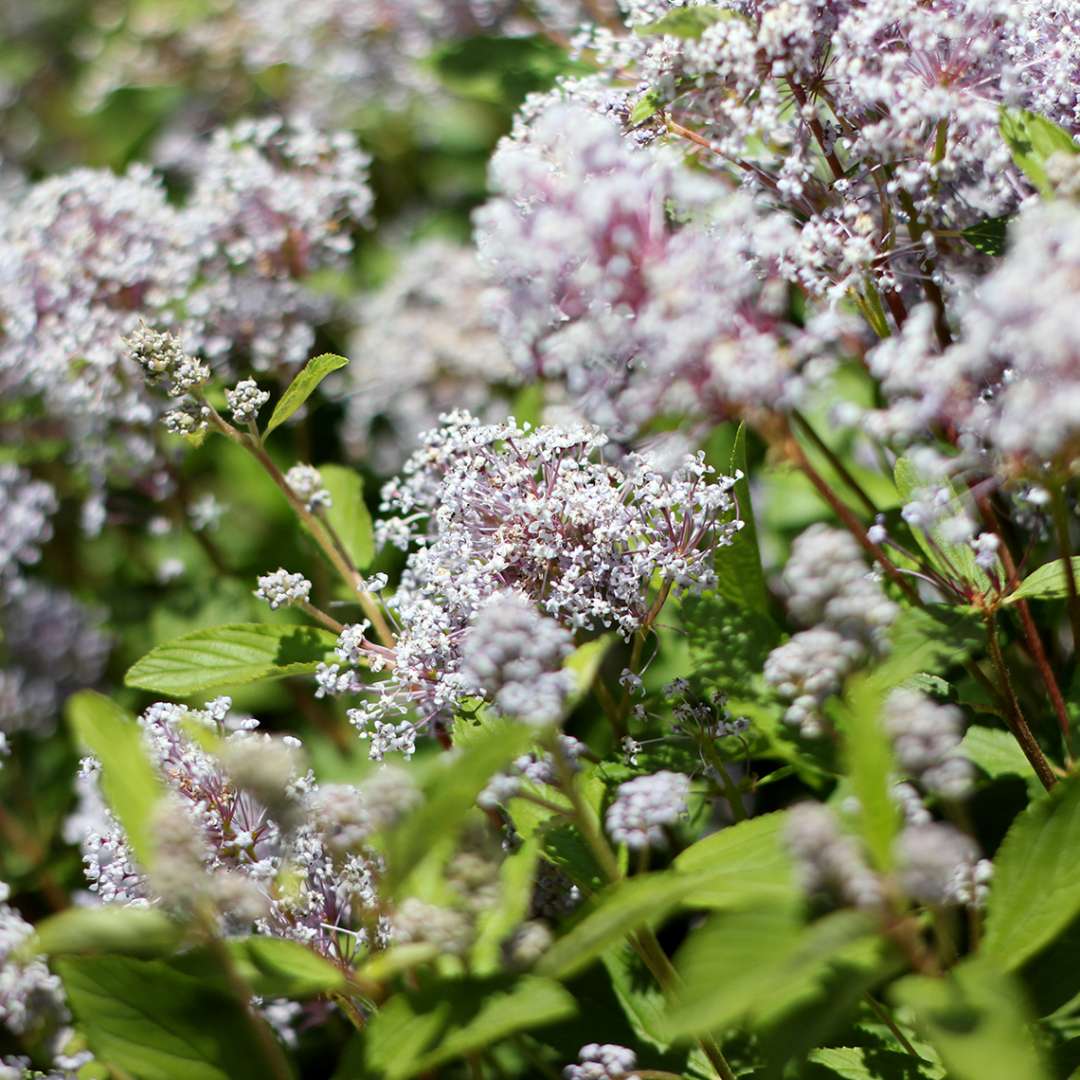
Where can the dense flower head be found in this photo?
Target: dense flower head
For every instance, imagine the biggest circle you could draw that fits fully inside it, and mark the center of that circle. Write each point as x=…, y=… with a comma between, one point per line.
x=830, y=589
x=26, y=509
x=489, y=508
x=260, y=846
x=829, y=860
x=875, y=124
x=643, y=286
x=1017, y=355
x=29, y=993
x=645, y=806
x=425, y=343
x=924, y=736
x=514, y=654
x=602, y=1061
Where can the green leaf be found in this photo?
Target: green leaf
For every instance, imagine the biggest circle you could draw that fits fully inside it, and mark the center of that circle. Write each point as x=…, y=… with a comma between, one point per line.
x=868, y=1063
x=975, y=1018
x=1048, y=582
x=988, y=236
x=450, y=792
x=641, y=998
x=585, y=662
x=927, y=641
x=498, y=922
x=230, y=656
x=740, y=962
x=302, y=387
x=647, y=106
x=688, y=23
x=348, y=513
x=1033, y=140
x=154, y=1022
x=611, y=915
x=128, y=781
x=739, y=575
x=415, y=1031
x=996, y=752
x=742, y=862
x=1035, y=892
x=127, y=931
x=869, y=755
x=279, y=968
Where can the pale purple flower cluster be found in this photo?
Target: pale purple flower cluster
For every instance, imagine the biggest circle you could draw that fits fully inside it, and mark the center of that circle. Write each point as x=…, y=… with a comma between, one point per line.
x=925, y=736
x=602, y=1061
x=647, y=288
x=645, y=807
x=831, y=590
x=514, y=655
x=425, y=344
x=497, y=507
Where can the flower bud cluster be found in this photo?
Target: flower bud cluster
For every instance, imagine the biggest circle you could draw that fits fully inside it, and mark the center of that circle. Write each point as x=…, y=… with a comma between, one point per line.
x=645, y=806
x=830, y=588
x=282, y=589
x=925, y=736
x=245, y=400
x=602, y=1061
x=306, y=484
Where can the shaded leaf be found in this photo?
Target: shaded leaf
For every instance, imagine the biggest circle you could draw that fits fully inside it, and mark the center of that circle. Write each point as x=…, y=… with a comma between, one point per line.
x=230, y=656
x=279, y=968
x=988, y=236
x=974, y=1018
x=1035, y=892
x=157, y=1023
x=127, y=931
x=996, y=752
x=1033, y=140
x=1048, y=582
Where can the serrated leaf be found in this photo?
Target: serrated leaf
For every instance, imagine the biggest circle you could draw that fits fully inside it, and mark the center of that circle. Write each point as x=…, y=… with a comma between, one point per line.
x=743, y=861
x=230, y=656
x=688, y=23
x=996, y=752
x=988, y=236
x=348, y=513
x=870, y=766
x=975, y=1019
x=1033, y=140
x=740, y=961
x=126, y=931
x=279, y=968
x=1048, y=582
x=1035, y=892
x=868, y=1063
x=154, y=1022
x=302, y=387
x=128, y=781
x=641, y=998
x=415, y=1031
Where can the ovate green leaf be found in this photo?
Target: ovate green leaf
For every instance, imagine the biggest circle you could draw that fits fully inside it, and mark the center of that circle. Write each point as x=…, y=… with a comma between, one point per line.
x=154, y=1022
x=303, y=386
x=1033, y=140
x=1048, y=582
x=688, y=23
x=279, y=968
x=975, y=1019
x=348, y=513
x=1035, y=892
x=128, y=781
x=230, y=656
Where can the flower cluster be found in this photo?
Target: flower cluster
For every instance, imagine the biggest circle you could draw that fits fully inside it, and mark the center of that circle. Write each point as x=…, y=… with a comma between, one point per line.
x=497, y=507
x=645, y=288
x=425, y=344
x=829, y=588
x=603, y=1061
x=925, y=736
x=644, y=807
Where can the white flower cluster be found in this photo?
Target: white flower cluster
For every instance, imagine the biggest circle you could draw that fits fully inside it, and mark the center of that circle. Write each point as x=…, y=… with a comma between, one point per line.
x=497, y=507
x=91, y=255
x=940, y=865
x=234, y=824
x=26, y=508
x=29, y=993
x=645, y=806
x=1016, y=356
x=514, y=655
x=306, y=484
x=282, y=589
x=646, y=287
x=426, y=344
x=829, y=860
x=925, y=736
x=829, y=588
x=602, y=1061
x=874, y=124
x=245, y=400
